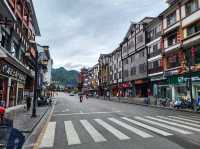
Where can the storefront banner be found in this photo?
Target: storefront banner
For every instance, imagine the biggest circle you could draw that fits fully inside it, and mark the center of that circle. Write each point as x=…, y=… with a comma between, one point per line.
x=9, y=70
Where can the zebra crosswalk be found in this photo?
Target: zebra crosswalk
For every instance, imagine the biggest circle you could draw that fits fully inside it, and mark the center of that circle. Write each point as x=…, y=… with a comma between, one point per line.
x=145, y=127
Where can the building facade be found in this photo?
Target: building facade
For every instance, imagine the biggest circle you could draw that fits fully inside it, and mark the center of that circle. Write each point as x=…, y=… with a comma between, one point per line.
x=155, y=55
x=134, y=55
x=18, y=29
x=104, y=75
x=181, y=36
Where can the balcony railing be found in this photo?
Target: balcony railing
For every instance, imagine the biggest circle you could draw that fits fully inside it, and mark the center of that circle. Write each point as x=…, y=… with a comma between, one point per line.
x=156, y=53
x=155, y=70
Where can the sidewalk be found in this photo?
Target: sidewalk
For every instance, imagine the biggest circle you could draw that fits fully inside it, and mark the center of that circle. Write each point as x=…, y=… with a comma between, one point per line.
x=140, y=101
x=22, y=119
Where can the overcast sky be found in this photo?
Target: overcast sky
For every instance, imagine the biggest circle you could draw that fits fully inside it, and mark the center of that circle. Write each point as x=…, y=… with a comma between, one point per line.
x=77, y=31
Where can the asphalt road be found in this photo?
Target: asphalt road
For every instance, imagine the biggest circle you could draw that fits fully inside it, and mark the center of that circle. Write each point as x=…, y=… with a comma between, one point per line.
x=100, y=124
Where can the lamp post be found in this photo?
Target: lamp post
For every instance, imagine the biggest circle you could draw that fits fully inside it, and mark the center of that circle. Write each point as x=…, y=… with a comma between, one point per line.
x=35, y=87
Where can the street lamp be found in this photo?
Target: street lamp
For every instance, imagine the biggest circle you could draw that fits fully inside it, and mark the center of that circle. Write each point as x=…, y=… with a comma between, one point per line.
x=35, y=87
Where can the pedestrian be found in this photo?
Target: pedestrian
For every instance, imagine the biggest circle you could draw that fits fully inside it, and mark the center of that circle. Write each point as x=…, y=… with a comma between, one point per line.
x=4, y=121
x=28, y=103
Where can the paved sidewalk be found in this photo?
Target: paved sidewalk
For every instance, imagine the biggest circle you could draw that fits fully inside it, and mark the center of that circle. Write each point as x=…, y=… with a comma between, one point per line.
x=23, y=121
x=138, y=101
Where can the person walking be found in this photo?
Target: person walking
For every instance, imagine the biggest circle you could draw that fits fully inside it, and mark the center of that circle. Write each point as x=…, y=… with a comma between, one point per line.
x=28, y=103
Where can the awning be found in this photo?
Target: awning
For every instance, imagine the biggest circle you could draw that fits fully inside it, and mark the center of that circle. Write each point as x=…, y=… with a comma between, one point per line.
x=5, y=10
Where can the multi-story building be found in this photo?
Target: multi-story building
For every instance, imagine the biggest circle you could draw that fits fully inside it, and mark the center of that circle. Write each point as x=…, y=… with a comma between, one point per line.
x=115, y=71
x=181, y=36
x=155, y=58
x=134, y=55
x=44, y=69
x=104, y=76
x=18, y=28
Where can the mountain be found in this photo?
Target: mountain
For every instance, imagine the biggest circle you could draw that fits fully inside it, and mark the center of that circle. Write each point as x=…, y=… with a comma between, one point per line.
x=65, y=77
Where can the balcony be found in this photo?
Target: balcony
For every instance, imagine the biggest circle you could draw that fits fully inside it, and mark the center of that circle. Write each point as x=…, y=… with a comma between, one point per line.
x=155, y=70
x=191, y=18
x=155, y=53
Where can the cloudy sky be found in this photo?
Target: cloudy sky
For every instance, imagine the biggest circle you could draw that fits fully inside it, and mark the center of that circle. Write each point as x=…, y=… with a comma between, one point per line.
x=77, y=31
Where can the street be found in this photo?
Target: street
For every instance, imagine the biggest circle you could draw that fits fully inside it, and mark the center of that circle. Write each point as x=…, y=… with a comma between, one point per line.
x=102, y=124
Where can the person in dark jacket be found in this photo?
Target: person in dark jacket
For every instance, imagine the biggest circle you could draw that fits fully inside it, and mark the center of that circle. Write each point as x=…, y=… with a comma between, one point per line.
x=28, y=103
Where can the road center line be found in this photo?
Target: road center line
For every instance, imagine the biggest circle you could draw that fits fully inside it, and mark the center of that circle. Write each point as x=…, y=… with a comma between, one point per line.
x=90, y=113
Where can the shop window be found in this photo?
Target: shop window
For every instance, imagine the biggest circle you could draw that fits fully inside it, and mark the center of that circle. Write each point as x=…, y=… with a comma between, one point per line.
x=191, y=7
x=193, y=29
x=181, y=92
x=171, y=19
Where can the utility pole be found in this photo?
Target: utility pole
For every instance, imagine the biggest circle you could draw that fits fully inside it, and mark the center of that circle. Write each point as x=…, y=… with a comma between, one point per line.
x=35, y=87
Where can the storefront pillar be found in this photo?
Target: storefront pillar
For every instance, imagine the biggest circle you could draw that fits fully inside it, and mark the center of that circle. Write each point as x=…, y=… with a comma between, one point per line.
x=173, y=93
x=8, y=93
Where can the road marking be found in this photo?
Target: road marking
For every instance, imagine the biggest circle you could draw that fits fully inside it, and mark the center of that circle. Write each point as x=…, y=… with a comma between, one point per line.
x=70, y=114
x=72, y=136
x=163, y=125
x=156, y=130
x=189, y=119
x=132, y=129
x=66, y=110
x=179, y=121
x=174, y=124
x=111, y=129
x=48, y=138
x=97, y=137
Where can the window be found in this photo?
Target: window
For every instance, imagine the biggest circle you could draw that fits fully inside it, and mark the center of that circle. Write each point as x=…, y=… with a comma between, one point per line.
x=172, y=40
x=191, y=7
x=141, y=54
x=173, y=61
x=142, y=68
x=140, y=38
x=171, y=19
x=193, y=29
x=133, y=70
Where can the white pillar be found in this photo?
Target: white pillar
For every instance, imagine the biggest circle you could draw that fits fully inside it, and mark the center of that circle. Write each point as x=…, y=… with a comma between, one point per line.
x=8, y=93
x=173, y=93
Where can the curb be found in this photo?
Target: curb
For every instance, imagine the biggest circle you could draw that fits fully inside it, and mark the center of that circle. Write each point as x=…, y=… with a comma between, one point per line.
x=151, y=106
x=39, y=138
x=35, y=125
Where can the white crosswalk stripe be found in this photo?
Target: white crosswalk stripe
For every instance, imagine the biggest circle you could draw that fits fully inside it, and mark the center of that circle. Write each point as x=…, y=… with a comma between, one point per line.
x=174, y=124
x=71, y=134
x=132, y=129
x=48, y=138
x=111, y=129
x=97, y=137
x=179, y=121
x=156, y=130
x=186, y=119
x=163, y=125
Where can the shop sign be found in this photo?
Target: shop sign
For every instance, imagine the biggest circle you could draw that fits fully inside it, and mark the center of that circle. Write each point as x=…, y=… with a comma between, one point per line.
x=9, y=70
x=184, y=79
x=127, y=85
